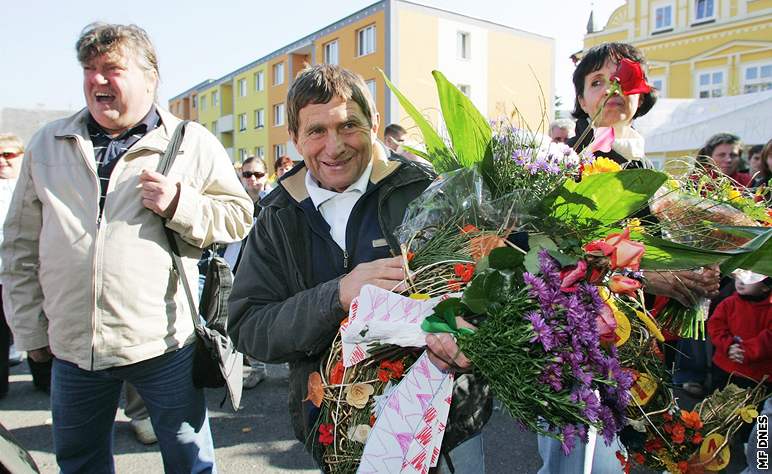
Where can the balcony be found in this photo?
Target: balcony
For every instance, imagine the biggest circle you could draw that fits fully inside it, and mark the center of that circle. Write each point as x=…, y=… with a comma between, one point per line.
x=225, y=124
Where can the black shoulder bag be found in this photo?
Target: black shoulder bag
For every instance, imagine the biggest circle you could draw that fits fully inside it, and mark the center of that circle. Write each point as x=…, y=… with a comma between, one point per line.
x=216, y=362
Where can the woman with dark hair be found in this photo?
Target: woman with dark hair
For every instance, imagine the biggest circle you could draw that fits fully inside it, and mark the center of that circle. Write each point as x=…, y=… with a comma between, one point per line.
x=722, y=153
x=592, y=78
x=761, y=164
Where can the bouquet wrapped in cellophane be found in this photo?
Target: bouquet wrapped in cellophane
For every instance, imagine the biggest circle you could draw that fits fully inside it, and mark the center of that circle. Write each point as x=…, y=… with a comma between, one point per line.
x=536, y=249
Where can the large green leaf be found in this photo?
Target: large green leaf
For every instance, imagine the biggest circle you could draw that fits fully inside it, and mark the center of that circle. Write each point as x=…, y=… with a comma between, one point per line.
x=598, y=201
x=440, y=155
x=469, y=130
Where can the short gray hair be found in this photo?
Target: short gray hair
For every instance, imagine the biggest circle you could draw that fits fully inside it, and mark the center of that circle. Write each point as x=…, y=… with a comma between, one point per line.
x=319, y=84
x=100, y=38
x=565, y=124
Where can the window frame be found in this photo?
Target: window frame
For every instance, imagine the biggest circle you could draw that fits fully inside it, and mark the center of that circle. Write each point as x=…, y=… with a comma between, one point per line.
x=360, y=45
x=706, y=19
x=661, y=93
x=259, y=78
x=759, y=80
x=464, y=45
x=698, y=87
x=243, y=122
x=279, y=107
x=279, y=149
x=660, y=6
x=374, y=89
x=215, y=99
x=260, y=117
x=278, y=70
x=325, y=52
x=242, y=83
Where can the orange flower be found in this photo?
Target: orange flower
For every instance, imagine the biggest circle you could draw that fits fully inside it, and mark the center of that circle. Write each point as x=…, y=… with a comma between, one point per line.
x=315, y=389
x=638, y=457
x=465, y=271
x=469, y=228
x=390, y=370
x=691, y=419
x=697, y=438
x=627, y=253
x=482, y=245
x=410, y=256
x=372, y=420
x=336, y=375
x=624, y=285
x=667, y=416
x=683, y=466
x=679, y=433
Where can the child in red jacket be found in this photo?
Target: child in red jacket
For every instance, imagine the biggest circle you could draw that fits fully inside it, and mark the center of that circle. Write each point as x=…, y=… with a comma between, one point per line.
x=741, y=330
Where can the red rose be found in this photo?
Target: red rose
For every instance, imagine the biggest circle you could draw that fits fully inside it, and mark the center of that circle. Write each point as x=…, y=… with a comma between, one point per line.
x=679, y=433
x=336, y=375
x=697, y=438
x=607, y=324
x=630, y=77
x=570, y=276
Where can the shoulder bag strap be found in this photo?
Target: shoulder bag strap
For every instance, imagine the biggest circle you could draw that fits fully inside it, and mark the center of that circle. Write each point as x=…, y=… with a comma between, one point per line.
x=163, y=167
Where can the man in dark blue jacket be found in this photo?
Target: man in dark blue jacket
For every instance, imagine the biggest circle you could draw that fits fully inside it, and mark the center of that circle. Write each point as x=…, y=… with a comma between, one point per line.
x=323, y=233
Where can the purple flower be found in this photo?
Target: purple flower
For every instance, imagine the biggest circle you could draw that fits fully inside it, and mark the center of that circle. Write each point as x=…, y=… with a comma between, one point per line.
x=589, y=402
x=552, y=376
x=542, y=331
x=568, y=440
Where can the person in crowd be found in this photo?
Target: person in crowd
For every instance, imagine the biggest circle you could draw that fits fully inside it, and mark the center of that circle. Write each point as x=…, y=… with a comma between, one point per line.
x=87, y=269
x=591, y=82
x=327, y=230
x=741, y=330
x=561, y=130
x=721, y=152
x=283, y=164
x=761, y=166
x=11, y=155
x=394, y=136
x=254, y=178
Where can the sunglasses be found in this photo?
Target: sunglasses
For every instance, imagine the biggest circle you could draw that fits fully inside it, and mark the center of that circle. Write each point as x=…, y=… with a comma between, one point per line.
x=9, y=155
x=249, y=174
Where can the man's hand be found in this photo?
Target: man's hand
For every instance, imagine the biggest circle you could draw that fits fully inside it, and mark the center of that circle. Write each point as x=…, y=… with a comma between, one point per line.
x=40, y=355
x=386, y=273
x=159, y=193
x=736, y=353
x=444, y=351
x=685, y=285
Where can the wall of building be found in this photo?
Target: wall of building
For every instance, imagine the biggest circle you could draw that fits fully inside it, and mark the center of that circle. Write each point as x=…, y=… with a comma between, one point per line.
x=252, y=137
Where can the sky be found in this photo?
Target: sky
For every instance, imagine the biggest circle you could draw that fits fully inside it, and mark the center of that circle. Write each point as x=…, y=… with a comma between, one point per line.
x=198, y=40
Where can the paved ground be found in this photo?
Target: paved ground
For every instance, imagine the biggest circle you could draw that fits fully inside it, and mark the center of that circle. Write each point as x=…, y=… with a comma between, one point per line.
x=258, y=438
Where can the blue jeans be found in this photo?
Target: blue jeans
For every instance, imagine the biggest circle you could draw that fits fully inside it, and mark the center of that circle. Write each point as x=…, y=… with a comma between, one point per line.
x=554, y=461
x=467, y=458
x=84, y=403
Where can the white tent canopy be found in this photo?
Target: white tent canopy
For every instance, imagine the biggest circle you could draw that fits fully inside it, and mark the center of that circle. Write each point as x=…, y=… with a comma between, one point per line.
x=685, y=124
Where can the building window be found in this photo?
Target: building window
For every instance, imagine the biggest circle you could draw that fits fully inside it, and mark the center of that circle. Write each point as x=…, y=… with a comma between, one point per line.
x=242, y=122
x=331, y=52
x=259, y=118
x=203, y=103
x=242, y=154
x=757, y=78
x=465, y=89
x=703, y=10
x=371, y=87
x=259, y=81
x=260, y=152
x=242, y=87
x=663, y=18
x=366, y=40
x=278, y=74
x=194, y=101
x=464, y=45
x=710, y=84
x=214, y=127
x=279, y=150
x=278, y=115
x=659, y=84
x=215, y=98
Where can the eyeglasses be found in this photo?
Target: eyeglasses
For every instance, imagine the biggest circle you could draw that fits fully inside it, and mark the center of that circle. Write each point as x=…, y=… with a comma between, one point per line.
x=9, y=155
x=249, y=174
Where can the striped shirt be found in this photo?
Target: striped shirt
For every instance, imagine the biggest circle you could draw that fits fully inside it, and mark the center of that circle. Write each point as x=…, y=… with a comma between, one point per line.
x=108, y=150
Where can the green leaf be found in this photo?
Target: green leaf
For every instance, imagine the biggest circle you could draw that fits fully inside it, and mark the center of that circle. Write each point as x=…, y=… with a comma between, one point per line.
x=563, y=259
x=600, y=200
x=417, y=152
x=505, y=258
x=444, y=317
x=469, y=130
x=537, y=242
x=482, y=291
x=435, y=145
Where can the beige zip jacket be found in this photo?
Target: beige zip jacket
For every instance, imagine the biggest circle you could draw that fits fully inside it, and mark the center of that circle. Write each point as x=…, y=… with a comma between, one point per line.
x=102, y=292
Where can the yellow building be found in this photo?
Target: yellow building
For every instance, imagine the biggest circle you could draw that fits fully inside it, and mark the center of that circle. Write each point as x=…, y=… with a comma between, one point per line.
x=491, y=63
x=697, y=48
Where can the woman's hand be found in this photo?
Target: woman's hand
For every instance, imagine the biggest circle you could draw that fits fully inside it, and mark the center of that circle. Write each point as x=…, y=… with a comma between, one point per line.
x=686, y=286
x=444, y=351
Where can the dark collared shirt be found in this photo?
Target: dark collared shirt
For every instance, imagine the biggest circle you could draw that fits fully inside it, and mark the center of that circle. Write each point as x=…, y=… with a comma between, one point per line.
x=108, y=150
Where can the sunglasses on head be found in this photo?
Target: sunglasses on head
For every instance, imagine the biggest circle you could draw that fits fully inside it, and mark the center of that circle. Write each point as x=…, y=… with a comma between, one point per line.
x=249, y=174
x=8, y=155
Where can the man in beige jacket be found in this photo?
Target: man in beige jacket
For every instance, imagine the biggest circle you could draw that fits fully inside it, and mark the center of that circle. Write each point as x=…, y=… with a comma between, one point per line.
x=87, y=273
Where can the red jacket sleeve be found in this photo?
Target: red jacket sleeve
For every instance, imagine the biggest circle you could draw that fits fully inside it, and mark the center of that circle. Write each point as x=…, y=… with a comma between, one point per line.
x=758, y=348
x=718, y=327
